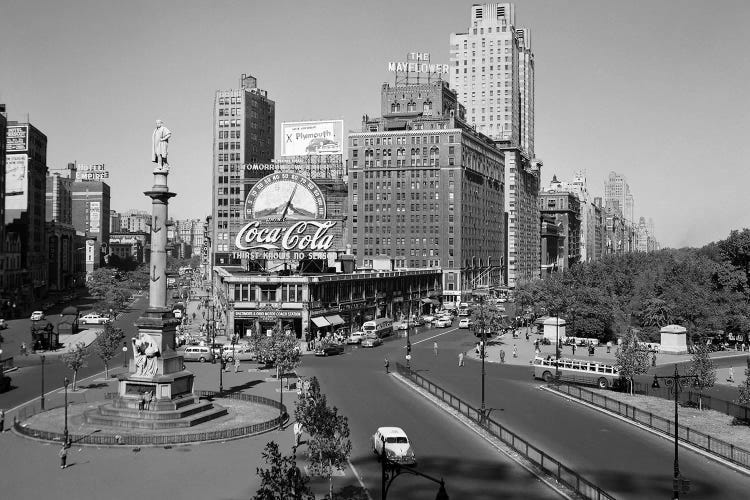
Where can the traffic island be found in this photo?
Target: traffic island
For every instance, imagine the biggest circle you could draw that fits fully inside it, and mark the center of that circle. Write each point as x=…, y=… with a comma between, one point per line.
x=244, y=415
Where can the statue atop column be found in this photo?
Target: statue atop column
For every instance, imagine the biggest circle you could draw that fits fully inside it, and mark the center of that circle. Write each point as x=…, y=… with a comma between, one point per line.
x=159, y=144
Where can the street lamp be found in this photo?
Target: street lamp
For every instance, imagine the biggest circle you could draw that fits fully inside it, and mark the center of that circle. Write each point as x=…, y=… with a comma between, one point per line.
x=408, y=336
x=557, y=346
x=124, y=354
x=41, y=398
x=65, y=432
x=483, y=330
x=390, y=470
x=677, y=382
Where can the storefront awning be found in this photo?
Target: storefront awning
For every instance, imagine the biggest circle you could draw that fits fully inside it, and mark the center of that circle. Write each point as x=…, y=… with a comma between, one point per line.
x=320, y=322
x=335, y=320
x=426, y=301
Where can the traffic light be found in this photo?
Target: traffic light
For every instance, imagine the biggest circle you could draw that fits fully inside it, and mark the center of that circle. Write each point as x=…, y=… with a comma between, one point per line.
x=408, y=348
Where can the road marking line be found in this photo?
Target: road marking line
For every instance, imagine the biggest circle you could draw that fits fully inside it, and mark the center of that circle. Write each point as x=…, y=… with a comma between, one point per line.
x=451, y=330
x=356, y=474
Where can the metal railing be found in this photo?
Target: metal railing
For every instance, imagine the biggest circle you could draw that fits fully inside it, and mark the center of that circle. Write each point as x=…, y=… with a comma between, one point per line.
x=162, y=439
x=571, y=479
x=699, y=439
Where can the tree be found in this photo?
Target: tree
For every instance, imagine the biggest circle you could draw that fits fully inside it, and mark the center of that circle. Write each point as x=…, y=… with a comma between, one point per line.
x=703, y=368
x=110, y=288
x=283, y=479
x=108, y=344
x=280, y=348
x=630, y=359
x=330, y=446
x=744, y=388
x=75, y=359
x=487, y=318
x=311, y=406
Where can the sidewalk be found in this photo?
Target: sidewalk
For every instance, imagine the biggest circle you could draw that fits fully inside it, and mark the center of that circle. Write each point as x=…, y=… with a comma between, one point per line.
x=525, y=352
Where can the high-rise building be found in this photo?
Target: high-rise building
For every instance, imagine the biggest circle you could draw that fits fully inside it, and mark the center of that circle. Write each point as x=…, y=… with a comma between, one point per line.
x=564, y=208
x=492, y=71
x=26, y=171
x=427, y=190
x=60, y=234
x=91, y=201
x=135, y=221
x=244, y=121
x=589, y=217
x=617, y=195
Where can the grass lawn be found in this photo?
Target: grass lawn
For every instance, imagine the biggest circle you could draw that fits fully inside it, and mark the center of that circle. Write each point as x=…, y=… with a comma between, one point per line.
x=716, y=424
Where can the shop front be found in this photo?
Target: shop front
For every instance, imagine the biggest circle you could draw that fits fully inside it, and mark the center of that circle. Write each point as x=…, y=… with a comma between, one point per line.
x=262, y=320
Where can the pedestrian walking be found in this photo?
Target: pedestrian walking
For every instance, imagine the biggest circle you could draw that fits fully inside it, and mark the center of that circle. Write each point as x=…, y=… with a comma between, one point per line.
x=236, y=363
x=527, y=336
x=502, y=355
x=653, y=359
x=434, y=348
x=63, y=454
x=460, y=359
x=515, y=351
x=2, y=420
x=23, y=349
x=297, y=428
x=537, y=352
x=574, y=349
x=387, y=364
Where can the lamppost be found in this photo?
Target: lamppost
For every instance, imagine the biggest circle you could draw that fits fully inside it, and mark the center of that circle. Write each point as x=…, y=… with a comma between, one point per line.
x=41, y=398
x=408, y=336
x=65, y=432
x=390, y=470
x=482, y=347
x=557, y=346
x=124, y=354
x=676, y=382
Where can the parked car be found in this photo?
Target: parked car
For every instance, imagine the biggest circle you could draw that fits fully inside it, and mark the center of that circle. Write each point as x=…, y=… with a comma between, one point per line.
x=243, y=352
x=3, y=324
x=397, y=446
x=37, y=316
x=94, y=319
x=428, y=318
x=442, y=322
x=400, y=325
x=355, y=338
x=198, y=353
x=465, y=323
x=371, y=341
x=416, y=322
x=329, y=350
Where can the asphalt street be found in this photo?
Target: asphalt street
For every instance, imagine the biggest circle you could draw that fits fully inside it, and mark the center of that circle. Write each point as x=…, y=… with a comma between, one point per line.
x=357, y=384
x=624, y=460
x=26, y=381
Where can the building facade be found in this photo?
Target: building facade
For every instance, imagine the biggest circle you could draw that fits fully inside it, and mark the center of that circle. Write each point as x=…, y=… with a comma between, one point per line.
x=91, y=207
x=492, y=71
x=563, y=208
x=115, y=222
x=427, y=190
x=135, y=221
x=244, y=121
x=130, y=245
x=617, y=195
x=26, y=172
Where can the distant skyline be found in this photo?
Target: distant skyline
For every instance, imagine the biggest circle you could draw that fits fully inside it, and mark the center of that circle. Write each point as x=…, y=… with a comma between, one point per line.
x=651, y=90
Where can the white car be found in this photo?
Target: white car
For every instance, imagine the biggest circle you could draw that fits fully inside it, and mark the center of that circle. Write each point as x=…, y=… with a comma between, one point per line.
x=400, y=325
x=397, y=446
x=465, y=323
x=428, y=318
x=442, y=322
x=355, y=338
x=94, y=319
x=37, y=316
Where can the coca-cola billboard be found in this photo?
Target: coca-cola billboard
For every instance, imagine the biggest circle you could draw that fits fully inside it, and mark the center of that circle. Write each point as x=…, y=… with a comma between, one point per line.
x=286, y=219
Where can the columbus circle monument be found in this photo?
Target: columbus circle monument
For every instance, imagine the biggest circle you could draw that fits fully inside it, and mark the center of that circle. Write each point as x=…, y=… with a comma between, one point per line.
x=156, y=401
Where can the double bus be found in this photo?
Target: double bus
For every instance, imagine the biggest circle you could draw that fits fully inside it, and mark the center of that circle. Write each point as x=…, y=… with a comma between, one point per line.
x=576, y=371
x=382, y=327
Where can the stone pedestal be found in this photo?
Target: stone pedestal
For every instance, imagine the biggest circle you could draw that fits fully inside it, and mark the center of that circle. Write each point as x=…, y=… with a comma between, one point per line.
x=673, y=340
x=554, y=328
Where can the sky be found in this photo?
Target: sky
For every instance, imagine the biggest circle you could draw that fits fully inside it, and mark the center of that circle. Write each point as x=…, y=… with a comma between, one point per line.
x=656, y=91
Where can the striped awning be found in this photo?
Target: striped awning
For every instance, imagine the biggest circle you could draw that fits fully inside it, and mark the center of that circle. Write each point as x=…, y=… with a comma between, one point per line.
x=335, y=320
x=320, y=322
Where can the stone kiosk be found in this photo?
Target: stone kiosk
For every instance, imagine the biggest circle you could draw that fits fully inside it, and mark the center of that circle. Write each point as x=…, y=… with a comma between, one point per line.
x=157, y=391
x=673, y=340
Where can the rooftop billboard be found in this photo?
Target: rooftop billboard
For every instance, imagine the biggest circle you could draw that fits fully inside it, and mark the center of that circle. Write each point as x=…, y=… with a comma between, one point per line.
x=325, y=137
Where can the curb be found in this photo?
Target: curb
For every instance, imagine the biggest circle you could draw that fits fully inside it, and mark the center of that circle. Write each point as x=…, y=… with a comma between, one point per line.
x=495, y=442
x=670, y=438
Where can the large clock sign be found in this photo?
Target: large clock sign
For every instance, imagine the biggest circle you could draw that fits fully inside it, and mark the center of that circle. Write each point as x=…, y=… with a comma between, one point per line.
x=287, y=211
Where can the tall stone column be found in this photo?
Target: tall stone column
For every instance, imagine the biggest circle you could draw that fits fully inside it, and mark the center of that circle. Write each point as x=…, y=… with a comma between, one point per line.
x=160, y=196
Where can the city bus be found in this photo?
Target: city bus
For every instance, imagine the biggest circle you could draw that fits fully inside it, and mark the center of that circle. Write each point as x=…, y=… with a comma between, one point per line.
x=382, y=327
x=463, y=309
x=576, y=371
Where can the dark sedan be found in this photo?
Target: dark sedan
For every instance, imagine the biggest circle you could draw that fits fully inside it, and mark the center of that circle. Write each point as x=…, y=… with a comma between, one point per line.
x=329, y=350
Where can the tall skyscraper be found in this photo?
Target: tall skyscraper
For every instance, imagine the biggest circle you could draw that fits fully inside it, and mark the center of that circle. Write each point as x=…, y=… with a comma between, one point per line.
x=617, y=195
x=492, y=70
x=244, y=121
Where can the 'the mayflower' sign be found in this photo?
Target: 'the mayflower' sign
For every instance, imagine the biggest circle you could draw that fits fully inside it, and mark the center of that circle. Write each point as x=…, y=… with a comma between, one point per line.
x=287, y=211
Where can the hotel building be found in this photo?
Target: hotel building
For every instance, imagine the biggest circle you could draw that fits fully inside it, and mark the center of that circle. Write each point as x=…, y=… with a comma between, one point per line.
x=427, y=191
